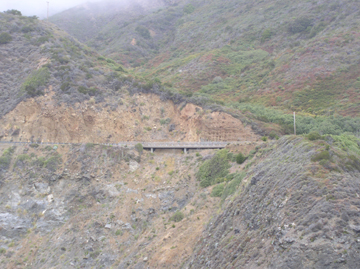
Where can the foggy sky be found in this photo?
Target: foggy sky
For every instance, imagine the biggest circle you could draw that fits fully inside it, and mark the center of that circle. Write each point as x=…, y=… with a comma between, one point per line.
x=39, y=7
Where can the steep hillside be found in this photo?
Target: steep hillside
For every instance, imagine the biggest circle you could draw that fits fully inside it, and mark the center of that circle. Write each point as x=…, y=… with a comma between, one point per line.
x=293, y=55
x=265, y=201
x=98, y=206
x=293, y=204
x=298, y=207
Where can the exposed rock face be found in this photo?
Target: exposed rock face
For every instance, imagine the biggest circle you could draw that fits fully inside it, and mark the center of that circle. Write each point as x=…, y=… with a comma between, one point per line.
x=289, y=214
x=138, y=118
x=91, y=209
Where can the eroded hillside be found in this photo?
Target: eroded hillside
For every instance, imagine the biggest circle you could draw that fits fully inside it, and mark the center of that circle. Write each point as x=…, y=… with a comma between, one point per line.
x=141, y=117
x=92, y=205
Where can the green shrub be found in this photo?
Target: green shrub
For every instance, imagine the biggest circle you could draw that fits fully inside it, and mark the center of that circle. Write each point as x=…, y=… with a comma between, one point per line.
x=165, y=121
x=266, y=35
x=148, y=86
x=218, y=190
x=53, y=162
x=324, y=155
x=300, y=25
x=217, y=167
x=27, y=29
x=273, y=135
x=143, y=32
x=89, y=145
x=139, y=148
x=264, y=138
x=65, y=86
x=178, y=216
x=41, y=40
x=157, y=81
x=240, y=158
x=23, y=157
x=6, y=157
x=232, y=186
x=188, y=9
x=37, y=79
x=5, y=38
x=119, y=69
x=89, y=91
x=314, y=136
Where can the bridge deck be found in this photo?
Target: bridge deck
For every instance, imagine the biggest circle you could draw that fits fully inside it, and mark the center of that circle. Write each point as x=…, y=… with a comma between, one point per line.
x=182, y=145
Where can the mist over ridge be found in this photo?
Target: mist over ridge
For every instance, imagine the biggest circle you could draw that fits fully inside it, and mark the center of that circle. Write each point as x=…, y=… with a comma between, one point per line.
x=39, y=8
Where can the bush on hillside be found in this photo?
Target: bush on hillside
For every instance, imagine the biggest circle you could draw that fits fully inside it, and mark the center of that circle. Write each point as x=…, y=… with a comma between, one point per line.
x=178, y=216
x=300, y=25
x=89, y=91
x=143, y=32
x=27, y=29
x=36, y=80
x=240, y=158
x=217, y=167
x=188, y=9
x=324, y=155
x=314, y=136
x=5, y=158
x=266, y=35
x=218, y=190
x=5, y=38
x=231, y=187
x=139, y=148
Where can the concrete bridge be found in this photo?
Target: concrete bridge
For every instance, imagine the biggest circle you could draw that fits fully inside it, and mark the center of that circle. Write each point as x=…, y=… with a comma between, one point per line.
x=146, y=145
x=184, y=145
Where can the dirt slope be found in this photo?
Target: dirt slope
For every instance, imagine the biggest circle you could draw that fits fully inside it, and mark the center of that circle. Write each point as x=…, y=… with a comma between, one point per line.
x=133, y=118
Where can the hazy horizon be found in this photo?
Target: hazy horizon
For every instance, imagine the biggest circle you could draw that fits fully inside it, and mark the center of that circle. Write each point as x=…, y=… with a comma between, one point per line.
x=39, y=7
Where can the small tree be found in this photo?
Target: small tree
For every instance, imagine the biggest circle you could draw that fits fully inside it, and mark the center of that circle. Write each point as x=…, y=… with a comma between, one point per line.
x=240, y=158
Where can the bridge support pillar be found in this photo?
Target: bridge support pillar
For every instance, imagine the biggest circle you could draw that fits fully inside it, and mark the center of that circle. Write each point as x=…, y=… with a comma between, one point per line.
x=152, y=150
x=185, y=150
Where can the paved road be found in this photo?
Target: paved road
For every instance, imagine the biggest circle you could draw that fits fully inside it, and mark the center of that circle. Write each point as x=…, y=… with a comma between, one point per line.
x=146, y=145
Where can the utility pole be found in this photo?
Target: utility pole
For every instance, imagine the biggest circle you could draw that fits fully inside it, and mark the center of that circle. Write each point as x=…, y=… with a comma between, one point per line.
x=294, y=124
x=47, y=11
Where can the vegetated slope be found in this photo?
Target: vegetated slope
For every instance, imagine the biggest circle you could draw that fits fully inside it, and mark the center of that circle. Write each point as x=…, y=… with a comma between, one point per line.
x=296, y=55
x=57, y=90
x=298, y=207
x=38, y=55
x=87, y=20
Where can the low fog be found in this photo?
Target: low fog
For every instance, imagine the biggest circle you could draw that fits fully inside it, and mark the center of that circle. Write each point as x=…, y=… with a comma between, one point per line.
x=39, y=7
